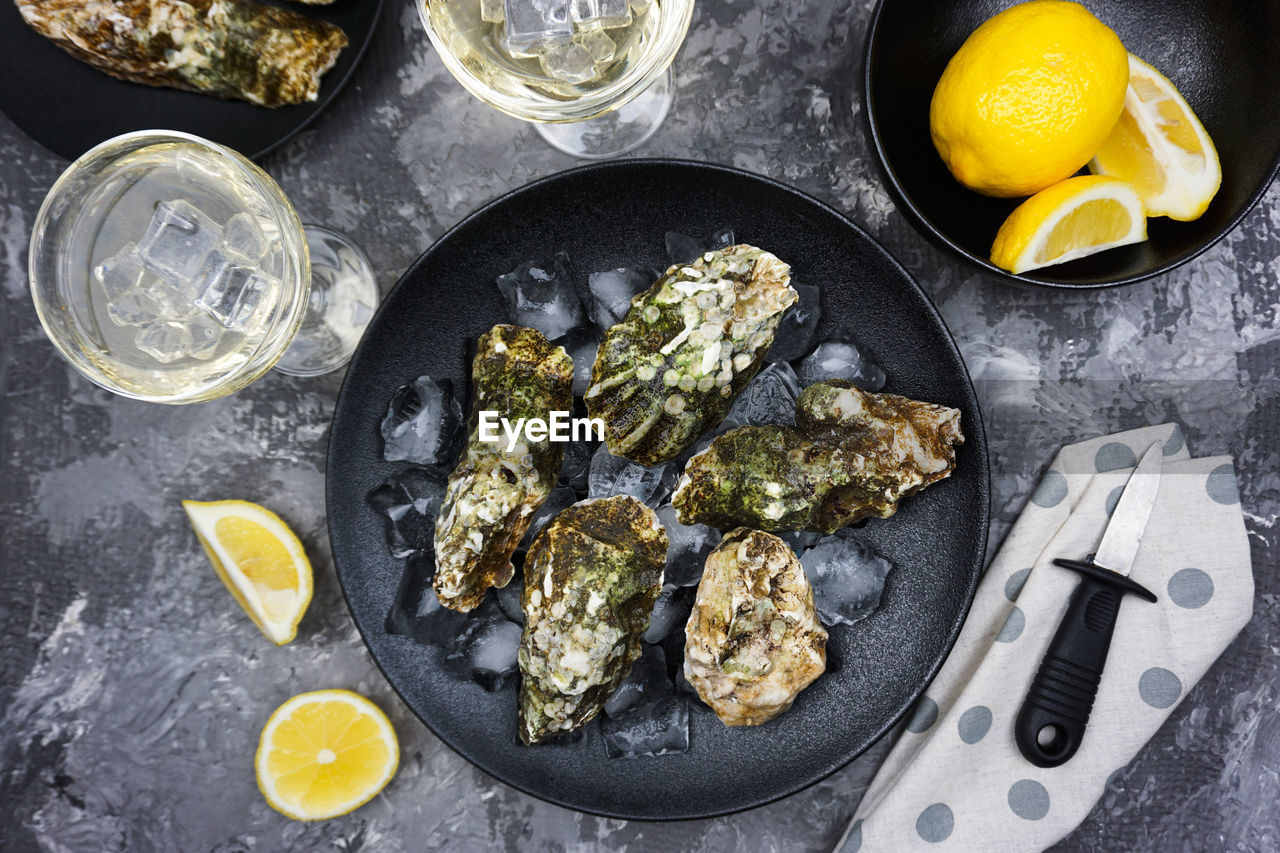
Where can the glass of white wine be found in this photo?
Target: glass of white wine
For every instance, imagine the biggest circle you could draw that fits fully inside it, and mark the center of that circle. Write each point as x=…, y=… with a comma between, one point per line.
x=595, y=75
x=168, y=268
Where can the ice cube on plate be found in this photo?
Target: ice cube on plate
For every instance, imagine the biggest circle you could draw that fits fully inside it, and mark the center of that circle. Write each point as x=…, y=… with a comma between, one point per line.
x=582, y=345
x=800, y=540
x=847, y=577
x=164, y=340
x=178, y=240
x=423, y=423
x=645, y=716
x=409, y=501
x=528, y=22
x=840, y=360
x=231, y=290
x=688, y=549
x=576, y=469
x=612, y=475
x=508, y=598
x=611, y=292
x=561, y=498
x=570, y=61
x=486, y=647
x=683, y=249
x=647, y=681
x=417, y=613
x=670, y=612
x=540, y=295
x=242, y=236
x=770, y=398
x=794, y=337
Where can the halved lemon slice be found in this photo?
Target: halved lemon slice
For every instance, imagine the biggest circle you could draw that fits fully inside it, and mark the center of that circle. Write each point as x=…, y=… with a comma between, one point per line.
x=325, y=753
x=1160, y=147
x=1069, y=220
x=259, y=560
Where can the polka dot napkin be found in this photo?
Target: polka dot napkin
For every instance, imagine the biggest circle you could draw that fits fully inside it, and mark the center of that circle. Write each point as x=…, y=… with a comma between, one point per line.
x=955, y=780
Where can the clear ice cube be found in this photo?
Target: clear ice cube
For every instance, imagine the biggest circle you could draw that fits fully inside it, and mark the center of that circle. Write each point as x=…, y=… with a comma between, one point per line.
x=683, y=249
x=794, y=337
x=178, y=240
x=492, y=11
x=600, y=13
x=134, y=308
x=164, y=340
x=508, y=598
x=582, y=345
x=670, y=612
x=561, y=498
x=417, y=613
x=649, y=718
x=770, y=398
x=800, y=540
x=840, y=360
x=423, y=423
x=242, y=236
x=612, y=475
x=206, y=334
x=597, y=43
x=570, y=61
x=576, y=469
x=231, y=291
x=847, y=577
x=646, y=682
x=409, y=501
x=540, y=295
x=689, y=545
x=528, y=22
x=611, y=292
x=485, y=649
x=120, y=273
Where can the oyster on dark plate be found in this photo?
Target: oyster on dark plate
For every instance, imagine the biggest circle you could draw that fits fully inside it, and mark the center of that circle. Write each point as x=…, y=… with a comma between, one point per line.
x=686, y=347
x=590, y=581
x=753, y=641
x=851, y=455
x=493, y=493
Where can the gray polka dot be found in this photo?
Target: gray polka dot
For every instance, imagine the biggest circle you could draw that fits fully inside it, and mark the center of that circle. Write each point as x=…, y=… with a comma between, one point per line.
x=935, y=823
x=1014, y=584
x=1028, y=799
x=1012, y=627
x=853, y=841
x=1175, y=442
x=1114, y=456
x=1221, y=485
x=975, y=723
x=924, y=716
x=1159, y=687
x=1114, y=498
x=1190, y=588
x=1051, y=491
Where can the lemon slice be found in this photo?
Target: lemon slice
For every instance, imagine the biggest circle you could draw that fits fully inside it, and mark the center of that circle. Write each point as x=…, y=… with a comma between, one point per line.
x=259, y=560
x=325, y=753
x=1160, y=147
x=1069, y=220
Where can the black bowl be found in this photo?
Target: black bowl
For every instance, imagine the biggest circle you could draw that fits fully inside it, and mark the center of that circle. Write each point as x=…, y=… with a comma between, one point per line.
x=1220, y=54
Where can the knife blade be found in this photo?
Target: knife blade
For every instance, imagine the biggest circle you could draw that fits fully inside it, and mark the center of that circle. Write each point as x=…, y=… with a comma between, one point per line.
x=1123, y=536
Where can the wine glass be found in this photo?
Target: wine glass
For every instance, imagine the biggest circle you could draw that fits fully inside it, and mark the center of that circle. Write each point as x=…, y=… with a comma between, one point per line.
x=595, y=75
x=168, y=268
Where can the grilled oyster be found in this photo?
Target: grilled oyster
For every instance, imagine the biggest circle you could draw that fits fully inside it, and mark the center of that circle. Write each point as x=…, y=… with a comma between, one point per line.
x=753, y=641
x=228, y=48
x=687, y=346
x=493, y=493
x=590, y=581
x=851, y=455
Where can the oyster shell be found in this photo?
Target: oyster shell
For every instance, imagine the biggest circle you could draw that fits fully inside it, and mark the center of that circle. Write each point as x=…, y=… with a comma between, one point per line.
x=687, y=346
x=851, y=455
x=753, y=641
x=493, y=493
x=590, y=581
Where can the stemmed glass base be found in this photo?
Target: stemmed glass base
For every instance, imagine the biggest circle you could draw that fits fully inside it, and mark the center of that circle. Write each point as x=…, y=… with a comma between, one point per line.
x=341, y=301
x=617, y=131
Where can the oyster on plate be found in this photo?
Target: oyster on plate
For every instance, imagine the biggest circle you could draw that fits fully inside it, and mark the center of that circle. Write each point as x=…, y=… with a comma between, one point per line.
x=686, y=347
x=493, y=492
x=753, y=641
x=851, y=455
x=590, y=581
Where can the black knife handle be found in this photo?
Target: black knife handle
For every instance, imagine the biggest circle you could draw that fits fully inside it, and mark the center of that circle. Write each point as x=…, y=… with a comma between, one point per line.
x=1051, y=723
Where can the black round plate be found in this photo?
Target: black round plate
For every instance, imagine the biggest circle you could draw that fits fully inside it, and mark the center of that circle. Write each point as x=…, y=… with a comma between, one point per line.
x=614, y=215
x=1219, y=53
x=69, y=106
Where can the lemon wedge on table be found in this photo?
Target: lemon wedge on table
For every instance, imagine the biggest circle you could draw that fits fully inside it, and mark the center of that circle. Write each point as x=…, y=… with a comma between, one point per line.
x=1160, y=147
x=1069, y=220
x=260, y=561
x=325, y=753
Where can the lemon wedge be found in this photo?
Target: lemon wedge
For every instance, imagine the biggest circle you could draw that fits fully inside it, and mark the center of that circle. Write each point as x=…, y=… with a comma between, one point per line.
x=1160, y=147
x=325, y=753
x=1069, y=220
x=259, y=560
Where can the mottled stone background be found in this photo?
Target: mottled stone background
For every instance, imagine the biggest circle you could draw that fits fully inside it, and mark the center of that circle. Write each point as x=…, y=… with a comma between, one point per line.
x=132, y=690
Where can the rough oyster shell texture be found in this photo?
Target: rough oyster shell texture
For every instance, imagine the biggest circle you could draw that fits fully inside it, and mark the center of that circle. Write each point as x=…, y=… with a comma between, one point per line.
x=493, y=493
x=753, y=641
x=851, y=455
x=590, y=581
x=687, y=346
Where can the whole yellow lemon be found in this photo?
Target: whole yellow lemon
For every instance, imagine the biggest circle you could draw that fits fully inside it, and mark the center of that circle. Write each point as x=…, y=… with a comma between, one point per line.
x=1029, y=98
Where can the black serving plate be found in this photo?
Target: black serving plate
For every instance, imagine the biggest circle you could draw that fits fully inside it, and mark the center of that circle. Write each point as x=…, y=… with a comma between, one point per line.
x=614, y=215
x=1221, y=54
x=69, y=106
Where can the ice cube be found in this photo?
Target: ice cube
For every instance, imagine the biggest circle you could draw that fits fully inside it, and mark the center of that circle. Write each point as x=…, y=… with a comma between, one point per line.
x=800, y=540
x=540, y=295
x=242, y=236
x=570, y=61
x=206, y=334
x=670, y=612
x=647, y=717
x=840, y=360
x=417, y=613
x=485, y=649
x=164, y=340
x=576, y=469
x=134, y=308
x=600, y=13
x=794, y=337
x=683, y=249
x=423, y=423
x=508, y=598
x=120, y=273
x=582, y=345
x=529, y=22
x=561, y=498
x=178, y=240
x=492, y=11
x=646, y=682
x=613, y=475
x=597, y=43
x=847, y=577
x=770, y=398
x=231, y=290
x=688, y=549
x=175, y=302
x=612, y=290
x=409, y=501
